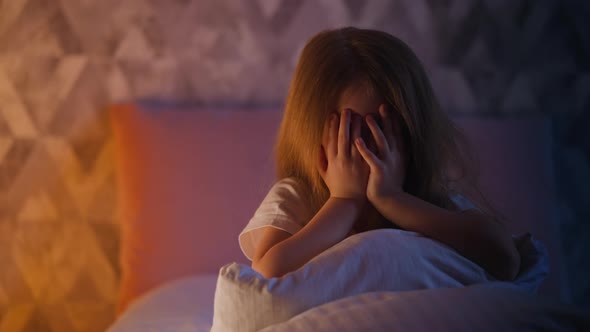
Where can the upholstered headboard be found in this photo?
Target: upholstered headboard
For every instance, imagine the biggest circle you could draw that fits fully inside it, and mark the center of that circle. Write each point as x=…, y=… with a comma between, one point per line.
x=190, y=178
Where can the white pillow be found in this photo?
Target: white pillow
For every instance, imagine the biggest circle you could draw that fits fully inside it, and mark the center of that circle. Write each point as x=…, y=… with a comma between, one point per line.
x=378, y=260
x=487, y=307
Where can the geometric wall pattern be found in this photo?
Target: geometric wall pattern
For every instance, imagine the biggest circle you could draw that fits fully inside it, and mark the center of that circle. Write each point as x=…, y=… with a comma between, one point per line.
x=62, y=62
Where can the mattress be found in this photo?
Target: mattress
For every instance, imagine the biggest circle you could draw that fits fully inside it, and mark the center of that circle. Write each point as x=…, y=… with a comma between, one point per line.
x=181, y=305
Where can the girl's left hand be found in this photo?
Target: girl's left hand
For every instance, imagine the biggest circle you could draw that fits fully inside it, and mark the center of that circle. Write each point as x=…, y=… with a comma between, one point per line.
x=388, y=170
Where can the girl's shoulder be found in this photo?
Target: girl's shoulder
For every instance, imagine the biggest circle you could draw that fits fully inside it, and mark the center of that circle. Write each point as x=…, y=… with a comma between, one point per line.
x=288, y=196
x=284, y=208
x=289, y=182
x=288, y=188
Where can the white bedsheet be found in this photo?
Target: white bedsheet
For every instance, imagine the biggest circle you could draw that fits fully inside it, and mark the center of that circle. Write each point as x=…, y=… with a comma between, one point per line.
x=184, y=305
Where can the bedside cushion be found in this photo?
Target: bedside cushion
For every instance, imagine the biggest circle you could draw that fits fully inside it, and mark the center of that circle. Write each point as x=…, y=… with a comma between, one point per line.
x=188, y=182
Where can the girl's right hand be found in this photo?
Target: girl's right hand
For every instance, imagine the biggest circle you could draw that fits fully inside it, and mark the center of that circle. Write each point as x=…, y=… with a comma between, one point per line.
x=340, y=164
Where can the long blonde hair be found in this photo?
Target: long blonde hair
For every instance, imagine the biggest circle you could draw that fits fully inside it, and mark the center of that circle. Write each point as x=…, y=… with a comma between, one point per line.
x=329, y=63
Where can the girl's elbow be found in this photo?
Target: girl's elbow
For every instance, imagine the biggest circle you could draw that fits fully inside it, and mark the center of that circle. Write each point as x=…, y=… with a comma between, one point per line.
x=268, y=267
x=508, y=265
x=267, y=270
x=513, y=263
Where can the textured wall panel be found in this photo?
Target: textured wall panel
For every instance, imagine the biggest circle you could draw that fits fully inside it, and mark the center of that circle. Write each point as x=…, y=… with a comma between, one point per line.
x=62, y=62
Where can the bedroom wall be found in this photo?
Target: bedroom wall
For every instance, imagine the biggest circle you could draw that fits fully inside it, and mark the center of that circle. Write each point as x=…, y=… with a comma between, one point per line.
x=62, y=62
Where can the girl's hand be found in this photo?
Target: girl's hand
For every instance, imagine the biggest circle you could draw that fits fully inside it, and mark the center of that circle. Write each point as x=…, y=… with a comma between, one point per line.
x=340, y=163
x=388, y=170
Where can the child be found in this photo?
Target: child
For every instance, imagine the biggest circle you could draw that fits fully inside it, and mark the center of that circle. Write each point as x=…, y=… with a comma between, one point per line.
x=364, y=145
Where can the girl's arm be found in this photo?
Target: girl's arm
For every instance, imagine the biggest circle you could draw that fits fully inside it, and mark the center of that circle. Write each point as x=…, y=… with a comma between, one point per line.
x=345, y=174
x=473, y=234
x=329, y=226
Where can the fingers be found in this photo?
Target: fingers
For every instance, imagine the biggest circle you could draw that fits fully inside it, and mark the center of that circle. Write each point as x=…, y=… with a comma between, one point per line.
x=344, y=134
x=331, y=146
x=387, y=122
x=356, y=133
x=399, y=140
x=380, y=139
x=322, y=162
x=326, y=131
x=368, y=155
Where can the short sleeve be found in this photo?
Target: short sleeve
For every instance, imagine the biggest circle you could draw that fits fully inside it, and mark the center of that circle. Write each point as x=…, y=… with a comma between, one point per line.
x=283, y=208
x=461, y=202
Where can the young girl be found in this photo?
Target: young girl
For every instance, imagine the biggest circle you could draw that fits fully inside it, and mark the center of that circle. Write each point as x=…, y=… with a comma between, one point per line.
x=364, y=145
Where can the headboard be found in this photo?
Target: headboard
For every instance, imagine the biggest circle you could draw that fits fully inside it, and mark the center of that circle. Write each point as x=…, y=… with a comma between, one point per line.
x=190, y=178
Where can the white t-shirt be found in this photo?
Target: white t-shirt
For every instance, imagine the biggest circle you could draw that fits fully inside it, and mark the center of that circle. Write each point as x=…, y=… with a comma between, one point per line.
x=284, y=208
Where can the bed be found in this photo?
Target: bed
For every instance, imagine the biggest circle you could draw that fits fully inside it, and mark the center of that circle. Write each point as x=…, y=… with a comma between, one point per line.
x=183, y=199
